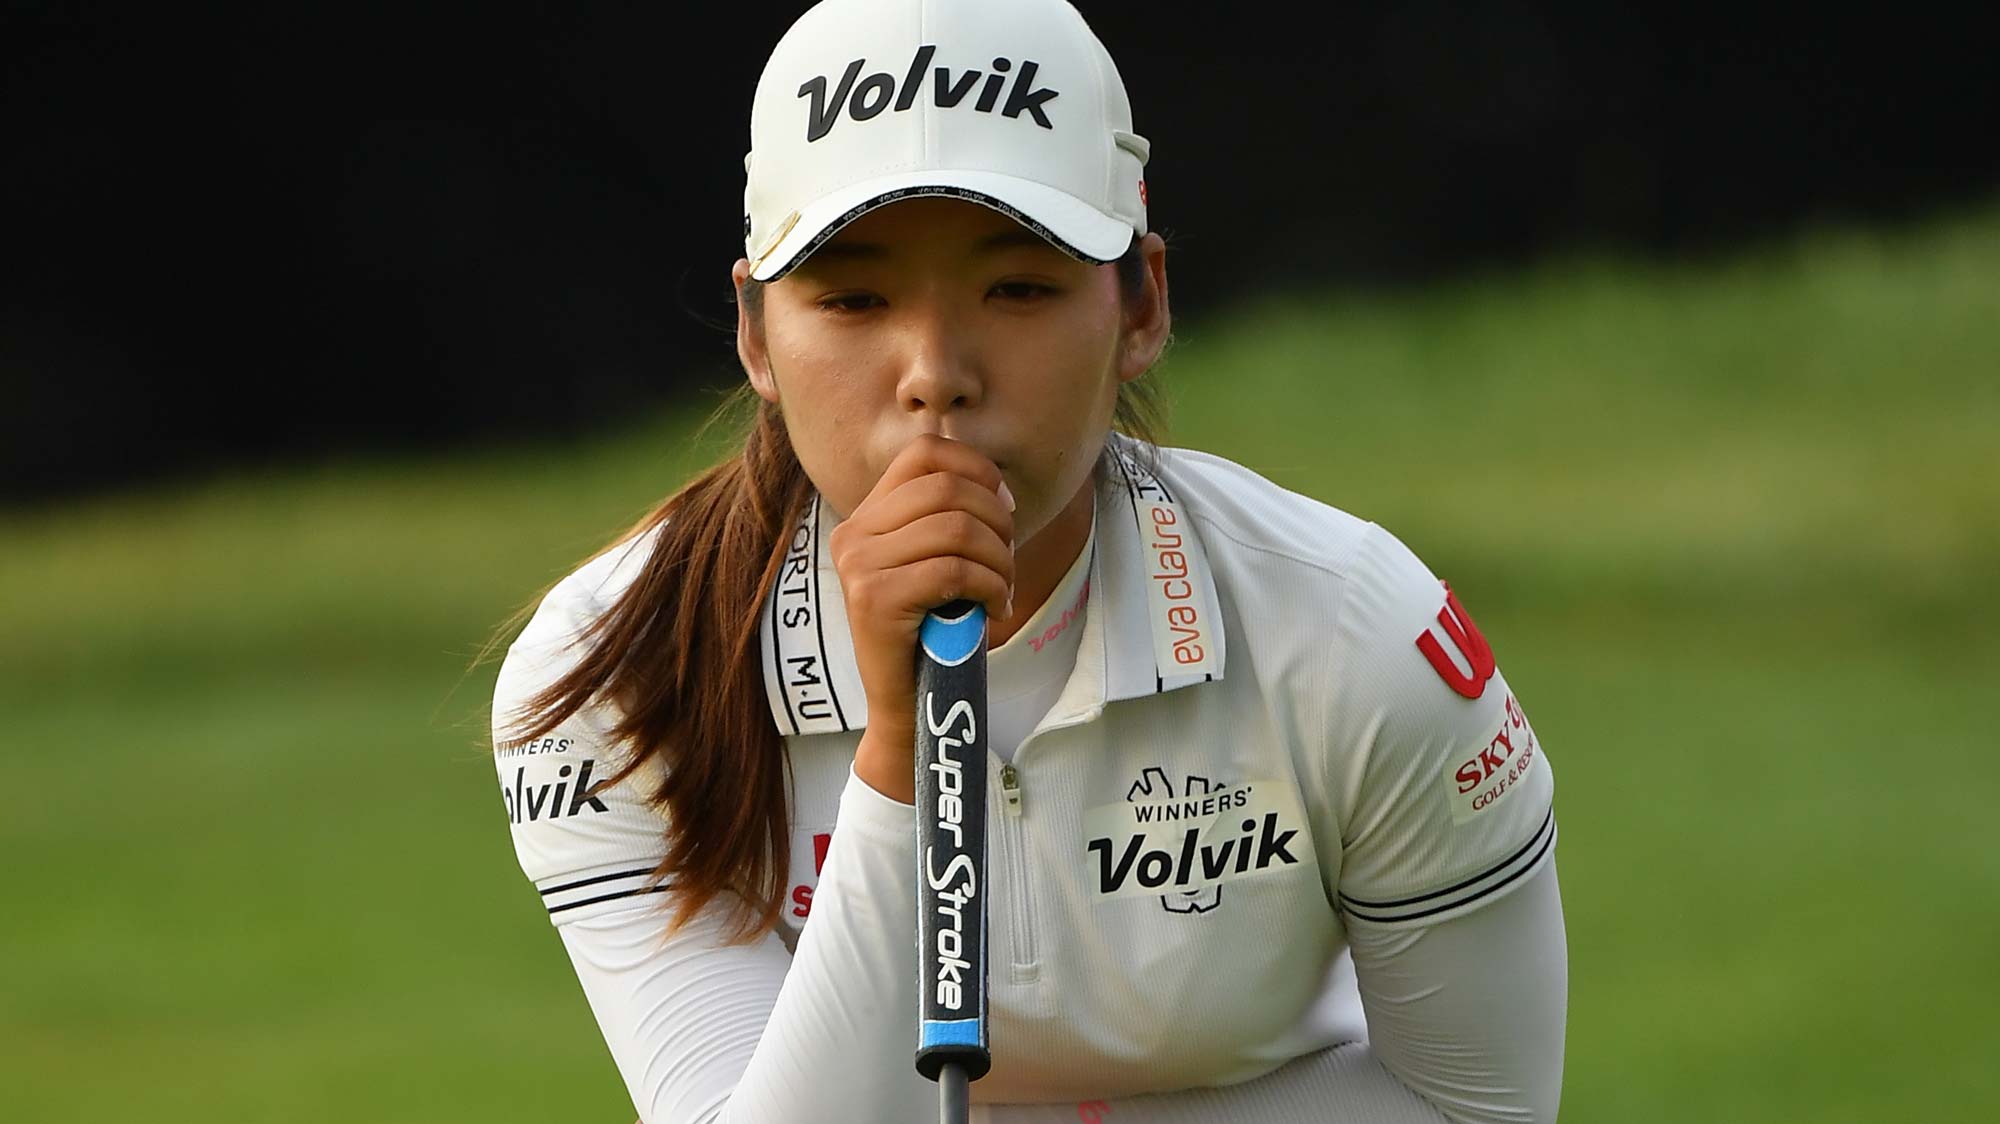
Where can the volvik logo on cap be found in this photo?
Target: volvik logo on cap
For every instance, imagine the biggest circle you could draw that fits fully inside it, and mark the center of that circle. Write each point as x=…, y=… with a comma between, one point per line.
x=1014, y=106
x=868, y=97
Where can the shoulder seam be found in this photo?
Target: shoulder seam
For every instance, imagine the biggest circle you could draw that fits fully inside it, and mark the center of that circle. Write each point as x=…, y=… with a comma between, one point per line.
x=1329, y=669
x=1230, y=531
x=1334, y=568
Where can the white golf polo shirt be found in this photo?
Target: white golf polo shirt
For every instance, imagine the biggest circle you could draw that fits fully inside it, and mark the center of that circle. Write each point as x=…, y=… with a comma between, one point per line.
x=1280, y=729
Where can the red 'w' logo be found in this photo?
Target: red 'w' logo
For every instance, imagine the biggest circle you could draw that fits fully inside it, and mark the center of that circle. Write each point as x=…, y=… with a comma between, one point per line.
x=802, y=894
x=1478, y=654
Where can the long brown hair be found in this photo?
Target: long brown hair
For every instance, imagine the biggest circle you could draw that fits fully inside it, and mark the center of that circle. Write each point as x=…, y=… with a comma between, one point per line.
x=678, y=654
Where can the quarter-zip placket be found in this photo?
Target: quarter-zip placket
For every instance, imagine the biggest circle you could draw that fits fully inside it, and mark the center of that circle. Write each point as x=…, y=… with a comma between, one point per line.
x=1026, y=966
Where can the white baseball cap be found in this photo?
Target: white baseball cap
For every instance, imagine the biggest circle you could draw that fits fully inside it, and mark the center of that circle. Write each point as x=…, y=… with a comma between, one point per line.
x=1012, y=105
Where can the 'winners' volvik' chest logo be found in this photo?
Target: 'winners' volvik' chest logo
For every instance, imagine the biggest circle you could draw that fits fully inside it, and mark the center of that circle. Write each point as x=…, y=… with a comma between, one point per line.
x=1184, y=846
x=865, y=98
x=569, y=793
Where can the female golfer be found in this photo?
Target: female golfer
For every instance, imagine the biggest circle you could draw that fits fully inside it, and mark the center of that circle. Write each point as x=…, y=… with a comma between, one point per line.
x=1271, y=838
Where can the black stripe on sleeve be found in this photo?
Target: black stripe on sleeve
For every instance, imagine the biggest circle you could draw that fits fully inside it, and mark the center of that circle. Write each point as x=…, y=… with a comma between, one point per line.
x=1487, y=892
x=555, y=909
x=1454, y=896
x=1487, y=873
x=594, y=881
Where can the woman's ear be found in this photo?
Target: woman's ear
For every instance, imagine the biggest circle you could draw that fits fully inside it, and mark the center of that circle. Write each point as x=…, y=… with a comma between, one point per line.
x=1149, y=320
x=750, y=349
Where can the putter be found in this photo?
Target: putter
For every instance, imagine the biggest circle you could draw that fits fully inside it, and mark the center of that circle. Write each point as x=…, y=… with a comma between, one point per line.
x=952, y=1047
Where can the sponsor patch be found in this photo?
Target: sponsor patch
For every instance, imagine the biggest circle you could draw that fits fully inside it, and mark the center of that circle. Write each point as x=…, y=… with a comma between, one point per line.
x=1180, y=599
x=1069, y=617
x=1180, y=847
x=811, y=688
x=532, y=748
x=862, y=99
x=1479, y=783
x=808, y=859
x=569, y=792
x=1473, y=650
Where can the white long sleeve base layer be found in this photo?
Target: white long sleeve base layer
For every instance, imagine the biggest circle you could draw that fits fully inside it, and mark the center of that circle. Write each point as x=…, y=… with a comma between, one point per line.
x=1464, y=1016
x=1463, y=1019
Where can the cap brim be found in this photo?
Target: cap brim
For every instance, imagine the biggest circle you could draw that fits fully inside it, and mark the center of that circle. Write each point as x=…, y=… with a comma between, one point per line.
x=1068, y=223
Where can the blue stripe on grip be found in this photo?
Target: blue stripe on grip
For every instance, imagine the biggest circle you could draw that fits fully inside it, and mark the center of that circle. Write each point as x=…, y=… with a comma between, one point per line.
x=948, y=1032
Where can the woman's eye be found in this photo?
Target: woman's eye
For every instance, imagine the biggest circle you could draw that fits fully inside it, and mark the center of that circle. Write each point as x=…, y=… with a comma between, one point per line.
x=849, y=302
x=1022, y=290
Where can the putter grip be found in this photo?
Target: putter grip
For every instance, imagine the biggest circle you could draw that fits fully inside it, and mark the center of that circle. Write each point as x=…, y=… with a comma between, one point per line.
x=951, y=841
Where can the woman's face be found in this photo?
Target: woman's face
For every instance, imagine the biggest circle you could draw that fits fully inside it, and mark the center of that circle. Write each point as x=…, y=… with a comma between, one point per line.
x=942, y=316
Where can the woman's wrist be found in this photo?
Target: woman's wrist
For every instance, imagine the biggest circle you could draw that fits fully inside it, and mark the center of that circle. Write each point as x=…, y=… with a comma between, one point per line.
x=886, y=761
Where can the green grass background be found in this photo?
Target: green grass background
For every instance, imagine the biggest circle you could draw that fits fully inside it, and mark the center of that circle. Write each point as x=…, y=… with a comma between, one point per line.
x=1731, y=527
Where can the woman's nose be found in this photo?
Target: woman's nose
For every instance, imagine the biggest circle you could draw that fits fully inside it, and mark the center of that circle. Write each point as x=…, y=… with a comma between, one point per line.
x=940, y=374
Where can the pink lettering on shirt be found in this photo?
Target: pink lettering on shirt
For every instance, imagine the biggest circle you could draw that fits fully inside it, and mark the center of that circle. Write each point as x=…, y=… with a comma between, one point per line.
x=1068, y=615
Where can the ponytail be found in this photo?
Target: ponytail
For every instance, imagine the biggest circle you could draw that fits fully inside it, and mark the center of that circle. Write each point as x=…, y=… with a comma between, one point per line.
x=678, y=653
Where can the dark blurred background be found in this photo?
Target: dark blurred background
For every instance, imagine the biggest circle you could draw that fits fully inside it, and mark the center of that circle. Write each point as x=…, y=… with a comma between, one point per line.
x=243, y=235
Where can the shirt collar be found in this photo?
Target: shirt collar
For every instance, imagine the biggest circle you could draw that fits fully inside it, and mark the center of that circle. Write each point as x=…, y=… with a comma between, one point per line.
x=1155, y=623
x=1020, y=664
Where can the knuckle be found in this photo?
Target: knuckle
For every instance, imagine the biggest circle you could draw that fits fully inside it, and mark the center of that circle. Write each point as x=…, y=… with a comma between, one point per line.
x=865, y=595
x=940, y=490
x=969, y=492
x=964, y=527
x=955, y=575
x=849, y=551
x=859, y=591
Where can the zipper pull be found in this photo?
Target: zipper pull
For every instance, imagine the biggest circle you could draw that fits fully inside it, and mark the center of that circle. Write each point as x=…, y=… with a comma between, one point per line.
x=1010, y=787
